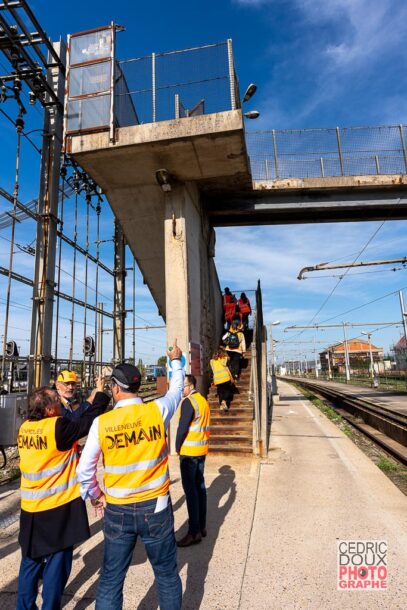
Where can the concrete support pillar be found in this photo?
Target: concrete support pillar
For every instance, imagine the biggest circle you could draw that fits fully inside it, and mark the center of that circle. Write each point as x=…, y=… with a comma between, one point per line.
x=193, y=295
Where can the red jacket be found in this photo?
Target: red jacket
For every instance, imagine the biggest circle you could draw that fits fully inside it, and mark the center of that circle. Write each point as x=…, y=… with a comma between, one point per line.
x=244, y=307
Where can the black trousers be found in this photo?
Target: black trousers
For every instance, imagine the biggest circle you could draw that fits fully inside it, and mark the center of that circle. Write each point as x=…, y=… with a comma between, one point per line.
x=235, y=363
x=193, y=483
x=225, y=392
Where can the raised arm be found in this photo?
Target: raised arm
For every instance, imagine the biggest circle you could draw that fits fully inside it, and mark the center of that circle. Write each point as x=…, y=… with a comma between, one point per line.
x=168, y=404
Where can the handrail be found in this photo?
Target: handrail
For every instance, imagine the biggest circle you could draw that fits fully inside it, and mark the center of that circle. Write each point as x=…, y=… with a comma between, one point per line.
x=258, y=377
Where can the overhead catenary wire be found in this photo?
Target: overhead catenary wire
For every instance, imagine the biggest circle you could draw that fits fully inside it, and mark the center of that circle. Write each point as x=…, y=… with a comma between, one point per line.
x=13, y=226
x=357, y=273
x=364, y=305
x=341, y=278
x=60, y=267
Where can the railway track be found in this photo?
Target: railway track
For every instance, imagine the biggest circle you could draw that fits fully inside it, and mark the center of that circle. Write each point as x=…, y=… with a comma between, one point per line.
x=384, y=426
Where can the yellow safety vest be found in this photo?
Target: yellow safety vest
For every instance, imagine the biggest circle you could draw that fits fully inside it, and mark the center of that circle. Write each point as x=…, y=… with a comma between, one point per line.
x=221, y=373
x=135, y=453
x=196, y=442
x=48, y=476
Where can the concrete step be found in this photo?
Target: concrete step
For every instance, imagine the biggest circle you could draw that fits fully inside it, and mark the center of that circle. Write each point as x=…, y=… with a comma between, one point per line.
x=234, y=410
x=231, y=422
x=246, y=406
x=232, y=431
x=227, y=439
x=237, y=401
x=230, y=449
x=224, y=430
x=241, y=388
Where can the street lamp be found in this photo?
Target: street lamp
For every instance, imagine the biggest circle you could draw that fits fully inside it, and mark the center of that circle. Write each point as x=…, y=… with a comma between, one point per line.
x=369, y=336
x=273, y=364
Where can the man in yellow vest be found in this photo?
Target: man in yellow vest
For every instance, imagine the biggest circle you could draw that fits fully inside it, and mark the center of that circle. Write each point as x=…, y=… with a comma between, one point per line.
x=53, y=515
x=192, y=445
x=66, y=386
x=132, y=439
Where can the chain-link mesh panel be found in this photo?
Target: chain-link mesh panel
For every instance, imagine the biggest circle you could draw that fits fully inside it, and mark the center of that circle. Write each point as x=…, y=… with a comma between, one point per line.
x=138, y=76
x=199, y=77
x=327, y=152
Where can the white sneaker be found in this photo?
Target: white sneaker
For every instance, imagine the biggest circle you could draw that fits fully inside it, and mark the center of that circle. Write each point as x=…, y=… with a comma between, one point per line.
x=223, y=406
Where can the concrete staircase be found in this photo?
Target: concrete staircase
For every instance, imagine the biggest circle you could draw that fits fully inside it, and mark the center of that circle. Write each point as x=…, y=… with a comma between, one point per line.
x=232, y=431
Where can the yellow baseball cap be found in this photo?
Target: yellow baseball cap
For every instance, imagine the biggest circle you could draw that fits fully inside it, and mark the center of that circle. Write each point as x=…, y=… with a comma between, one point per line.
x=67, y=376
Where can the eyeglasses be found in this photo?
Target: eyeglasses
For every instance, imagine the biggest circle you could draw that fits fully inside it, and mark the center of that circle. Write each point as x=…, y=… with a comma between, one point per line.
x=187, y=385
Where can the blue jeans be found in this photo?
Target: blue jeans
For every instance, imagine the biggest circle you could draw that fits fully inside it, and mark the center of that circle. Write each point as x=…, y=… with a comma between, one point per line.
x=54, y=569
x=122, y=524
x=193, y=482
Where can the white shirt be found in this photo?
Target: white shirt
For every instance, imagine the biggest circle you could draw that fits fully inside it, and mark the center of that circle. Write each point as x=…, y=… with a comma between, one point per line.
x=86, y=470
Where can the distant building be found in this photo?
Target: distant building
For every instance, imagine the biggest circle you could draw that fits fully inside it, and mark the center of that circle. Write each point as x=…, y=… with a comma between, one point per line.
x=400, y=354
x=359, y=356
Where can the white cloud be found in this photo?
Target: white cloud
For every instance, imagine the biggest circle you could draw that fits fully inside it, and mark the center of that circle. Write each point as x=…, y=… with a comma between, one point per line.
x=333, y=51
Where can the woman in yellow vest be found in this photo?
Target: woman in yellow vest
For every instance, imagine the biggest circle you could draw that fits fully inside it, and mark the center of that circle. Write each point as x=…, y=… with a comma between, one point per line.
x=222, y=378
x=53, y=516
x=192, y=444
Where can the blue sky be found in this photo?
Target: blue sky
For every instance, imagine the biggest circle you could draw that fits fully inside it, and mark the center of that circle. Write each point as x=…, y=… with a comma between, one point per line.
x=317, y=63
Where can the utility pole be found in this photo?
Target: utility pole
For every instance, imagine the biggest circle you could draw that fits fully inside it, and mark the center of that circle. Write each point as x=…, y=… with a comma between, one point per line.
x=369, y=336
x=315, y=359
x=273, y=364
x=403, y=315
x=329, y=365
x=345, y=346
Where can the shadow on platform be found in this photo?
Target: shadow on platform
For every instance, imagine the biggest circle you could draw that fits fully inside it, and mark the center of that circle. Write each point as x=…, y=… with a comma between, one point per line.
x=221, y=496
x=198, y=557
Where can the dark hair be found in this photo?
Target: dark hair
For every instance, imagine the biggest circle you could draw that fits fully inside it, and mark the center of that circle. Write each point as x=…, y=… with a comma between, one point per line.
x=220, y=352
x=191, y=379
x=39, y=400
x=243, y=297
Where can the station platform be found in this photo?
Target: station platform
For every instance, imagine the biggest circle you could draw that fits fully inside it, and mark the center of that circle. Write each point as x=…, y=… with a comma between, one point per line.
x=273, y=527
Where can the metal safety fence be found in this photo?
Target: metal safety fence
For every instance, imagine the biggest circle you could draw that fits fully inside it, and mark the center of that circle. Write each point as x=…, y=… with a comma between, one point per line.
x=176, y=84
x=319, y=153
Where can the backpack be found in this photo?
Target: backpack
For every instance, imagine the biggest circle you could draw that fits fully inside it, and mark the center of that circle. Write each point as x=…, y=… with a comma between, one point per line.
x=232, y=340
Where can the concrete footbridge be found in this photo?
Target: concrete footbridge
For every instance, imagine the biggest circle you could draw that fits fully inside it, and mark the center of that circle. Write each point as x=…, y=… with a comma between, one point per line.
x=164, y=136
